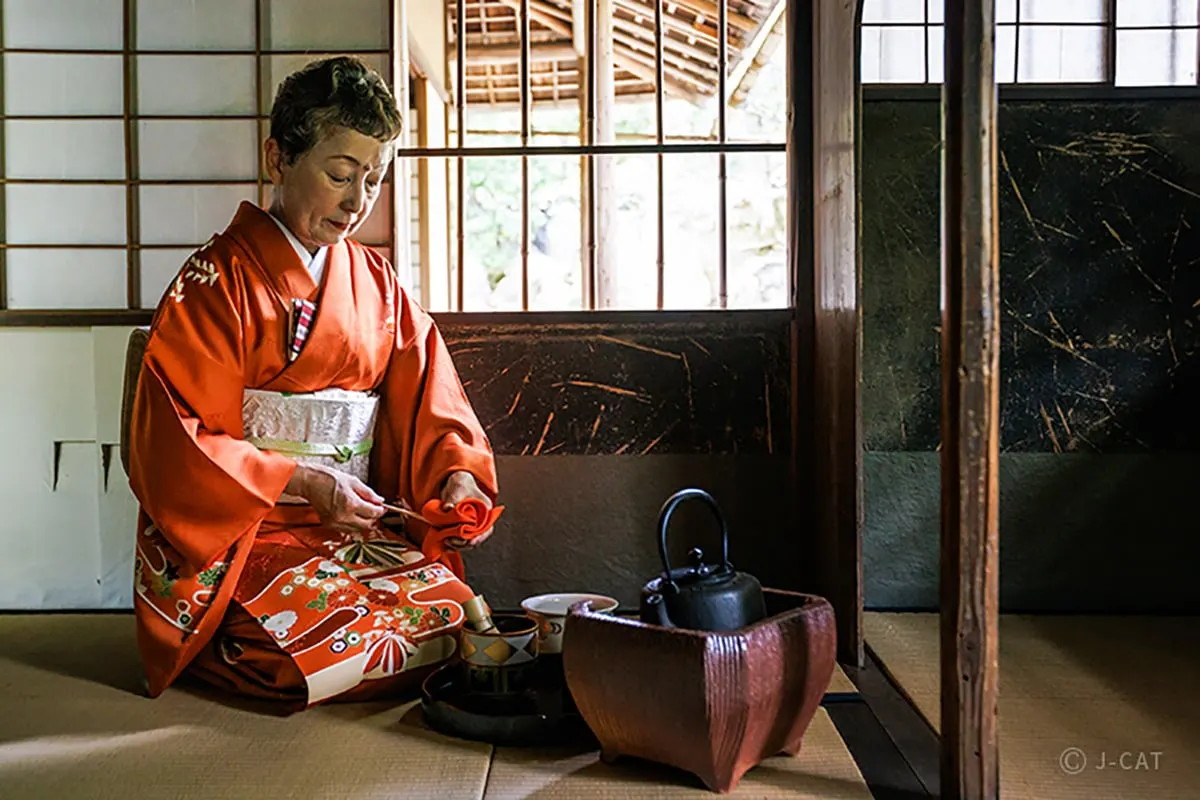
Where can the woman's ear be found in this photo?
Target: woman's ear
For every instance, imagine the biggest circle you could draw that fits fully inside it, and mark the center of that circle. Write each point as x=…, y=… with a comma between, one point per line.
x=273, y=159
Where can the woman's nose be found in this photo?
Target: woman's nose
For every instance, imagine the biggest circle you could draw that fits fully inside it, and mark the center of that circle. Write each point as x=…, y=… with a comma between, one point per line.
x=354, y=200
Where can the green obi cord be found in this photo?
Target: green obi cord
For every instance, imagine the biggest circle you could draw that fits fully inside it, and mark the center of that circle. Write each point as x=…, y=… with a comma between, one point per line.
x=340, y=452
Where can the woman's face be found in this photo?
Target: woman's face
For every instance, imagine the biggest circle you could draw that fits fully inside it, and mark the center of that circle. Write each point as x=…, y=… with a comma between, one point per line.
x=326, y=194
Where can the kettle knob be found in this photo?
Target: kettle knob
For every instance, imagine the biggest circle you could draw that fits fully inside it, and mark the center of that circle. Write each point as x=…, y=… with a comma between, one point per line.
x=696, y=558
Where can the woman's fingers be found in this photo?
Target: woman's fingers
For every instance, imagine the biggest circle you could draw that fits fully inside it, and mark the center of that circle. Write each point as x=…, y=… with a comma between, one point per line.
x=458, y=543
x=364, y=492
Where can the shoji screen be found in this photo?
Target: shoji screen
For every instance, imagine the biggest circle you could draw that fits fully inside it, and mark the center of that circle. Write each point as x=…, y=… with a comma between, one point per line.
x=133, y=129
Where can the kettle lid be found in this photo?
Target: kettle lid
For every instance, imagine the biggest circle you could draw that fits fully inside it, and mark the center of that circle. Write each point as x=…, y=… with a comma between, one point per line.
x=697, y=574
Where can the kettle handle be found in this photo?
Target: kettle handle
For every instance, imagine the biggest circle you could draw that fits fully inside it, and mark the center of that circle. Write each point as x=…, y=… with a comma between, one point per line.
x=664, y=518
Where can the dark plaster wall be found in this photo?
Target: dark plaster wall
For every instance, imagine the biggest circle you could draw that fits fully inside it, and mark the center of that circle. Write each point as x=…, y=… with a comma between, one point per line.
x=1100, y=300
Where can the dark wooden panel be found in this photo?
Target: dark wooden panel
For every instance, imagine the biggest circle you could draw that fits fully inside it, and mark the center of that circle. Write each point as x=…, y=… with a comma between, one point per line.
x=717, y=384
x=1100, y=244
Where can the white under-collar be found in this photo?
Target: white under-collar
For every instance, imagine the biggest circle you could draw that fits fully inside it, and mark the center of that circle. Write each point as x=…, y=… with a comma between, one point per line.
x=314, y=263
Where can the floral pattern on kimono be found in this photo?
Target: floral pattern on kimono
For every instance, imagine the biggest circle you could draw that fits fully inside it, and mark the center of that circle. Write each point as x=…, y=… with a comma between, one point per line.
x=163, y=580
x=340, y=630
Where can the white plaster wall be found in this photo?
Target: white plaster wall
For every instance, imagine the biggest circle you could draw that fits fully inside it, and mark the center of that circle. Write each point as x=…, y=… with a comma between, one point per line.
x=70, y=545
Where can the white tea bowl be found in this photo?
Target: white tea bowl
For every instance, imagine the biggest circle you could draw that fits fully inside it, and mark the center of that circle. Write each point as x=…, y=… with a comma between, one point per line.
x=550, y=610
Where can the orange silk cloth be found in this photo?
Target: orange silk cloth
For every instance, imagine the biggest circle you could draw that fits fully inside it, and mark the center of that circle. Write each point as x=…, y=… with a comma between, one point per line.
x=467, y=520
x=208, y=499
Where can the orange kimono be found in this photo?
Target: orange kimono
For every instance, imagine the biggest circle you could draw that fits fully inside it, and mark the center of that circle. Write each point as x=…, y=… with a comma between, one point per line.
x=254, y=595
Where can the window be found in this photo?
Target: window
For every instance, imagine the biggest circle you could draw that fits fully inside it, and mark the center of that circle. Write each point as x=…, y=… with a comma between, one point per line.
x=1114, y=42
x=623, y=196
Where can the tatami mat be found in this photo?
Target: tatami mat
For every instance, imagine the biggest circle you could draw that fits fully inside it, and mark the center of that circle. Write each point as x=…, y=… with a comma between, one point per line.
x=1090, y=707
x=824, y=769
x=74, y=723
x=75, y=726
x=840, y=683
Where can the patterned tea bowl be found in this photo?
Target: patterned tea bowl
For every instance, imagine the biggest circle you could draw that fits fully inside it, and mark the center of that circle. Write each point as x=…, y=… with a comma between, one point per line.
x=501, y=661
x=550, y=611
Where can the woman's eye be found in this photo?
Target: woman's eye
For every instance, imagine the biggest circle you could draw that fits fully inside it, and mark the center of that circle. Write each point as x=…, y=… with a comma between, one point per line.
x=373, y=186
x=338, y=178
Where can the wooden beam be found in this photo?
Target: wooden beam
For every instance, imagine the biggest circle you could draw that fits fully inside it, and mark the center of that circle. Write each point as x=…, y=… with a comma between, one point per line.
x=970, y=408
x=672, y=23
x=674, y=82
x=750, y=54
x=675, y=52
x=477, y=55
x=823, y=220
x=710, y=10
x=549, y=16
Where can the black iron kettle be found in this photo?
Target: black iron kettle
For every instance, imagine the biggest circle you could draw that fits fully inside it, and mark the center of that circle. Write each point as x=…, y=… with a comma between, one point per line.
x=705, y=597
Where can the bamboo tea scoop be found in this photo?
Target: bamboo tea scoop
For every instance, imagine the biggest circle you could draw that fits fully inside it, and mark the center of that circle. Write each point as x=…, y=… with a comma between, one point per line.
x=404, y=512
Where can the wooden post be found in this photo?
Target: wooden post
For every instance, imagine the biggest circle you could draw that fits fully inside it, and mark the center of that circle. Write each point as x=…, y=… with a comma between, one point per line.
x=597, y=125
x=582, y=14
x=605, y=166
x=970, y=408
x=433, y=181
x=401, y=236
x=824, y=274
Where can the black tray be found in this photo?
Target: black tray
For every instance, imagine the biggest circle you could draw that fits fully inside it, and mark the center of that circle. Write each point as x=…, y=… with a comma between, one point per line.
x=545, y=714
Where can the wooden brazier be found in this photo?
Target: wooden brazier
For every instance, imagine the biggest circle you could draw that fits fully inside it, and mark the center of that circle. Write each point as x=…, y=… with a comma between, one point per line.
x=713, y=704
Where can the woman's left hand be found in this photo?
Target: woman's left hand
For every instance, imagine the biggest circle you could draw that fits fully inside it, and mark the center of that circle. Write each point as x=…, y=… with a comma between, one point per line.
x=459, y=486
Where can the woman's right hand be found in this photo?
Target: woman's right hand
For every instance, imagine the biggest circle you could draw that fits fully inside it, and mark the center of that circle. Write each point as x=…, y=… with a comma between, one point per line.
x=342, y=501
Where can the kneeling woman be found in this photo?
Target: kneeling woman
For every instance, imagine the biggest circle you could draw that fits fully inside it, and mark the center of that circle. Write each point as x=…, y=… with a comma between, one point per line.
x=258, y=570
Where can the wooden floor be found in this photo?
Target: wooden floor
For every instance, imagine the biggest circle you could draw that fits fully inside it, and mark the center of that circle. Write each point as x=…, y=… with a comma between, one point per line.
x=75, y=724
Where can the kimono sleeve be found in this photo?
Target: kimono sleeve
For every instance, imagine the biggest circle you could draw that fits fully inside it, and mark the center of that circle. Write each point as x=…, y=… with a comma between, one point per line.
x=198, y=481
x=432, y=425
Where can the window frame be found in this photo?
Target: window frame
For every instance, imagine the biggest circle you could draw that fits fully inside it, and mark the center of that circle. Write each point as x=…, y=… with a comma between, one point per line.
x=1066, y=90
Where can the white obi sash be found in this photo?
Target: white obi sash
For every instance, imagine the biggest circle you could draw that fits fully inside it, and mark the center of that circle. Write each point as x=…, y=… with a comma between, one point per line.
x=333, y=427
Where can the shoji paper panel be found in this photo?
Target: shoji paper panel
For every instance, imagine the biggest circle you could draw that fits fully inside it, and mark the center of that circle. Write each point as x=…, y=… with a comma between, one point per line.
x=64, y=24
x=195, y=25
x=43, y=214
x=196, y=85
x=189, y=215
x=315, y=25
x=60, y=149
x=159, y=268
x=66, y=279
x=63, y=85
x=222, y=150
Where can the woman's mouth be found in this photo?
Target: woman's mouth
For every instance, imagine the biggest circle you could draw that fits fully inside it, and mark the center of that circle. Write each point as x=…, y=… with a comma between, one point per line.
x=341, y=227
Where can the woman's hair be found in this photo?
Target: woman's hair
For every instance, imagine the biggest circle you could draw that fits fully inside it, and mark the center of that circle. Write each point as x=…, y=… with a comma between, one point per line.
x=339, y=91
